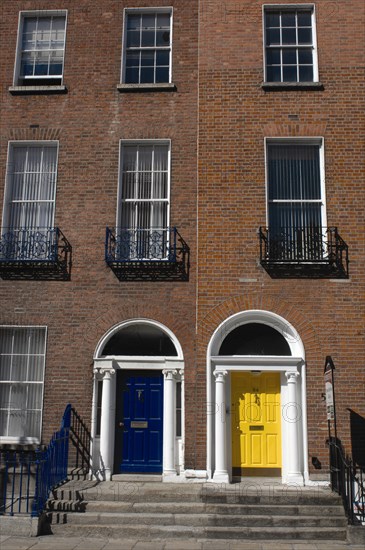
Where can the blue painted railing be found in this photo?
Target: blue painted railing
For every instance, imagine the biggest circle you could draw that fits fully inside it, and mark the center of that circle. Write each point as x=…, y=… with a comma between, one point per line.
x=27, y=478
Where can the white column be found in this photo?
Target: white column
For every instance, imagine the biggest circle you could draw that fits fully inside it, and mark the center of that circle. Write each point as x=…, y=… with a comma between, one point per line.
x=292, y=416
x=107, y=423
x=169, y=420
x=220, y=472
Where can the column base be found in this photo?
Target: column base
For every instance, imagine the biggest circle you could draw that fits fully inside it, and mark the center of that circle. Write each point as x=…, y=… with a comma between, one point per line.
x=168, y=475
x=220, y=477
x=294, y=479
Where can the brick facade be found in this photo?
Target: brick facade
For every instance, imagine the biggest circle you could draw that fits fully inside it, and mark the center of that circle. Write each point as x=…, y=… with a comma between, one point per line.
x=217, y=121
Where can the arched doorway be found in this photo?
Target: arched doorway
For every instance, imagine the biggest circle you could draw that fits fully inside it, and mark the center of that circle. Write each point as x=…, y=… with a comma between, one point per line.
x=137, y=407
x=256, y=399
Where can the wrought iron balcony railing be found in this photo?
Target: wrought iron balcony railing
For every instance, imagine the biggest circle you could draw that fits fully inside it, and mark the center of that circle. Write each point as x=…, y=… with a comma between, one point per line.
x=35, y=253
x=303, y=252
x=147, y=254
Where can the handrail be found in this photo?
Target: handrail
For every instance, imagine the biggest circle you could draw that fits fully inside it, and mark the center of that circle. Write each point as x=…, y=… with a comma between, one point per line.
x=28, y=477
x=348, y=480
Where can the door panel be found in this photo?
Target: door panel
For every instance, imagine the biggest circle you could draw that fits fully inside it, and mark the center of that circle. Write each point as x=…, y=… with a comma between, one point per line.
x=256, y=423
x=139, y=427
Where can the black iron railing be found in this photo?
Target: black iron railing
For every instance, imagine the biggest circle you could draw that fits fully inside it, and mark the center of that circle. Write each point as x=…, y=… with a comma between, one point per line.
x=28, y=477
x=43, y=253
x=140, y=254
x=348, y=480
x=306, y=251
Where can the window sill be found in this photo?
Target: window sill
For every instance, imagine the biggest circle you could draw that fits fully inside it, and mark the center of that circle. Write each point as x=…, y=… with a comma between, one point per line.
x=29, y=90
x=160, y=87
x=280, y=86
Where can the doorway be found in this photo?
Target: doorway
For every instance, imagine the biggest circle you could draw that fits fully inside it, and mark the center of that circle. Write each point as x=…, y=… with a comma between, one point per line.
x=139, y=422
x=256, y=424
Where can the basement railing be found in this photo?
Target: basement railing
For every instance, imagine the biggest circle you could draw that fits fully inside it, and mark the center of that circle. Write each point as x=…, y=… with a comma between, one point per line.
x=303, y=252
x=28, y=477
x=348, y=480
x=153, y=254
x=40, y=253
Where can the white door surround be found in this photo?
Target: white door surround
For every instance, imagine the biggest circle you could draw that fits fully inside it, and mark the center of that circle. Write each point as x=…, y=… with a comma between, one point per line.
x=105, y=368
x=293, y=397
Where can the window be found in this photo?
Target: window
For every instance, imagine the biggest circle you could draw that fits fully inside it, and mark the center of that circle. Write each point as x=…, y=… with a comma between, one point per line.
x=296, y=209
x=30, y=198
x=143, y=211
x=147, y=47
x=41, y=49
x=290, y=44
x=22, y=361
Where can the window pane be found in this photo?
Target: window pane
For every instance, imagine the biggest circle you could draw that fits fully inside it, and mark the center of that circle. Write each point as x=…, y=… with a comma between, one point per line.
x=273, y=56
x=34, y=396
x=133, y=22
x=6, y=340
x=289, y=36
x=3, y=423
x=56, y=63
x=129, y=158
x=132, y=59
x=162, y=57
x=290, y=57
x=147, y=58
x=288, y=19
x=145, y=158
x=163, y=38
x=35, y=368
x=27, y=64
x=162, y=74
x=305, y=56
x=273, y=74
x=272, y=36
x=41, y=63
x=133, y=38
x=5, y=367
x=306, y=73
x=132, y=75
x=148, y=21
x=289, y=74
x=304, y=36
x=273, y=19
x=148, y=38
x=304, y=19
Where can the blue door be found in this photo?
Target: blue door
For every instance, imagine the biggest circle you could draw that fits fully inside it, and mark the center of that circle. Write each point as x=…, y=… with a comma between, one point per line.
x=139, y=426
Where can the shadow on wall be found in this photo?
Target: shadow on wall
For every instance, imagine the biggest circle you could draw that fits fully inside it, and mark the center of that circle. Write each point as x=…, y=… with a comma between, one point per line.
x=357, y=426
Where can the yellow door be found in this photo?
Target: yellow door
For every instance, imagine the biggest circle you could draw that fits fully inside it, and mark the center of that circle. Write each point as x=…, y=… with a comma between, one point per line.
x=256, y=423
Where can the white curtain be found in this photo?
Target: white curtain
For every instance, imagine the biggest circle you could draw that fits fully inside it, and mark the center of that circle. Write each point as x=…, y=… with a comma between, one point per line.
x=22, y=358
x=32, y=191
x=144, y=197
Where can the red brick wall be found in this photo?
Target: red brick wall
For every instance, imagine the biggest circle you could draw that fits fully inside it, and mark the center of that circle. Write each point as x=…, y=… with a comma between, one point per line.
x=89, y=121
x=235, y=115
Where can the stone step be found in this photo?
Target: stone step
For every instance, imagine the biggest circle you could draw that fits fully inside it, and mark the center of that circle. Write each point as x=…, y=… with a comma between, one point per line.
x=149, y=532
x=335, y=510
x=154, y=492
x=200, y=519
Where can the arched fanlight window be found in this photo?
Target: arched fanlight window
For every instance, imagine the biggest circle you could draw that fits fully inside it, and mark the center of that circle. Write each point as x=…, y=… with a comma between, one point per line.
x=254, y=339
x=140, y=339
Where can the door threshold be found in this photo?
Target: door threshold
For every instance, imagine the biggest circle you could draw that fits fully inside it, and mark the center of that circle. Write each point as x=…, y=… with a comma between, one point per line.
x=137, y=477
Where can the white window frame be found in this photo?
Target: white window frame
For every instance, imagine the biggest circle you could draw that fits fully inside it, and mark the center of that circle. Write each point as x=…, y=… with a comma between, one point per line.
x=8, y=183
x=142, y=142
x=18, y=54
x=298, y=141
x=289, y=7
x=141, y=11
x=25, y=440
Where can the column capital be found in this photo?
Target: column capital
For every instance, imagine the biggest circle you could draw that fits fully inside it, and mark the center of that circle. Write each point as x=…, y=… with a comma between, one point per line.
x=169, y=374
x=105, y=372
x=292, y=376
x=220, y=375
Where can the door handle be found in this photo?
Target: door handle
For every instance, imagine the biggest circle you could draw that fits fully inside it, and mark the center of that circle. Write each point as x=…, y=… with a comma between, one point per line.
x=121, y=424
